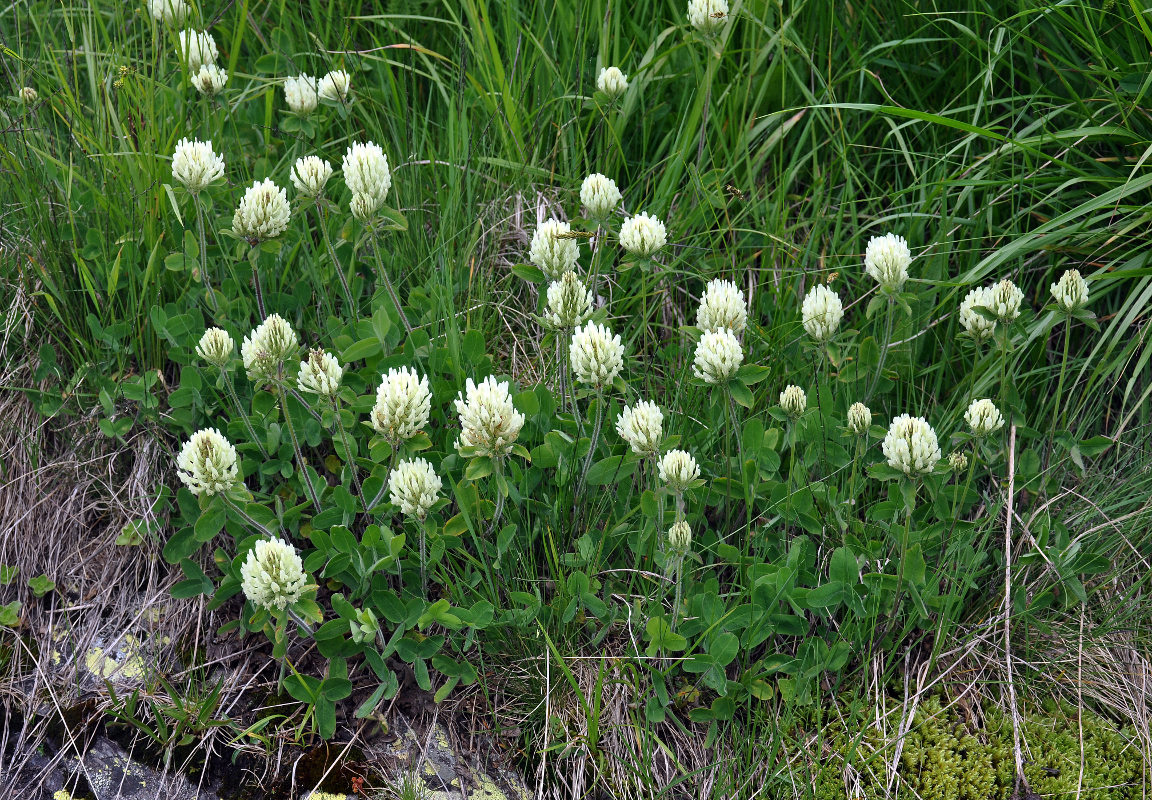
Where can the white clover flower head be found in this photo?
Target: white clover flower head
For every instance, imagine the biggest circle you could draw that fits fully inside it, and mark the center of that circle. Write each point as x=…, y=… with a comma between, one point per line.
x=309, y=174
x=334, y=87
x=403, y=405
x=597, y=355
x=718, y=356
x=642, y=427
x=821, y=313
x=708, y=16
x=599, y=195
x=569, y=302
x=793, y=400
x=678, y=469
x=300, y=94
x=643, y=235
x=488, y=420
x=267, y=347
x=207, y=464
x=957, y=461
x=28, y=95
x=196, y=49
x=722, y=306
x=1006, y=298
x=612, y=82
x=168, y=11
x=366, y=172
x=320, y=374
x=859, y=418
x=887, y=259
x=976, y=326
x=910, y=445
x=216, y=347
x=263, y=212
x=209, y=80
x=680, y=536
x=414, y=487
x=272, y=575
x=1070, y=292
x=195, y=165
x=551, y=250
x=983, y=417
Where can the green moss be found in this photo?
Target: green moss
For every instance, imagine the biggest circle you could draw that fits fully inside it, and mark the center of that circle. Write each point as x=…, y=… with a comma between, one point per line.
x=948, y=757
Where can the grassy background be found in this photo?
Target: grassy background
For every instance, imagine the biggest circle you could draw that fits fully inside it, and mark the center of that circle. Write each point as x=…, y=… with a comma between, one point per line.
x=1002, y=139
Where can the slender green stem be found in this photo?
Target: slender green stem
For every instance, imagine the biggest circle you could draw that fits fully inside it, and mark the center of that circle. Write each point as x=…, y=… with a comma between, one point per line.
x=204, y=253
x=903, y=555
x=595, y=438
x=497, y=471
x=388, y=282
x=301, y=463
x=258, y=288
x=856, y=455
x=348, y=452
x=679, y=569
x=1057, y=423
x=889, y=313
x=240, y=410
x=423, y=560
x=322, y=221
x=244, y=515
x=655, y=470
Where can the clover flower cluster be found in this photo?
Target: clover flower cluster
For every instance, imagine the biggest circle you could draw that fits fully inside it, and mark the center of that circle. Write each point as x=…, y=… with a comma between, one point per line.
x=718, y=356
x=489, y=422
x=597, y=355
x=403, y=405
x=911, y=446
x=368, y=177
x=320, y=374
x=722, y=306
x=642, y=427
x=272, y=575
x=414, y=487
x=612, y=82
x=821, y=313
x=207, y=463
x=266, y=348
x=196, y=165
x=552, y=250
x=263, y=212
x=569, y=302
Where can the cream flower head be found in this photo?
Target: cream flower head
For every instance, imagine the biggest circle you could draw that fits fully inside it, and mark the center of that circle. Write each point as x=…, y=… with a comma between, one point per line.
x=488, y=420
x=216, y=347
x=209, y=80
x=168, y=11
x=263, y=212
x=642, y=427
x=708, y=16
x=976, y=326
x=309, y=174
x=1006, y=298
x=718, y=356
x=334, y=87
x=859, y=419
x=821, y=313
x=678, y=469
x=599, y=195
x=195, y=165
x=300, y=94
x=596, y=354
x=643, y=235
x=367, y=174
x=957, y=461
x=793, y=400
x=207, y=463
x=910, y=445
x=552, y=252
x=403, y=405
x=983, y=417
x=1070, y=292
x=887, y=259
x=680, y=536
x=320, y=374
x=28, y=95
x=414, y=487
x=272, y=575
x=197, y=48
x=267, y=347
x=722, y=306
x=569, y=302
x=612, y=82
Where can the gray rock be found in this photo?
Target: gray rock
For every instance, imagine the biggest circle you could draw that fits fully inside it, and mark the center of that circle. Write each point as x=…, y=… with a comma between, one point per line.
x=113, y=775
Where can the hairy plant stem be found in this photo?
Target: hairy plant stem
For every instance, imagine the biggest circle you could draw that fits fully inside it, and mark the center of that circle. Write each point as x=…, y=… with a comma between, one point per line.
x=232, y=504
x=1057, y=423
x=303, y=465
x=677, y=597
x=856, y=456
x=908, y=509
x=497, y=471
x=240, y=410
x=204, y=252
x=889, y=313
x=387, y=281
x=660, y=532
x=595, y=438
x=348, y=452
x=423, y=560
x=322, y=222
x=257, y=287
